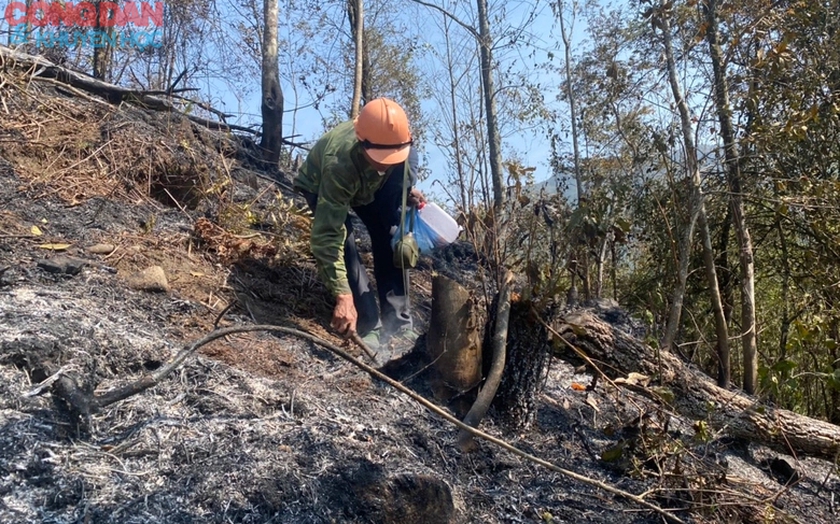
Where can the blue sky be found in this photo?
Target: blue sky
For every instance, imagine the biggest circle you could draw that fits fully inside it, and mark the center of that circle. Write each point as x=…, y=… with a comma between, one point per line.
x=531, y=146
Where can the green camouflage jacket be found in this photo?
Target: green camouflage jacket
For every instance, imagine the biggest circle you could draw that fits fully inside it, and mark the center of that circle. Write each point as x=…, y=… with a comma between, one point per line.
x=336, y=171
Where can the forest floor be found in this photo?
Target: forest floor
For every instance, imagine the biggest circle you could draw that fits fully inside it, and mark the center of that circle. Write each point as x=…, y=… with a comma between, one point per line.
x=274, y=428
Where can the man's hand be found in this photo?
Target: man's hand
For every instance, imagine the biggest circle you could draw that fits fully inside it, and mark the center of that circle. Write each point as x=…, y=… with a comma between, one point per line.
x=415, y=197
x=344, y=315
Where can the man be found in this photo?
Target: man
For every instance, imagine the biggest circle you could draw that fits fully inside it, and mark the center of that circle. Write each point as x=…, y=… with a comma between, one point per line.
x=360, y=165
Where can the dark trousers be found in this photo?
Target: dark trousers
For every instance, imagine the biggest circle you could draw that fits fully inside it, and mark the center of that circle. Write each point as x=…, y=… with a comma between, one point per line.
x=378, y=217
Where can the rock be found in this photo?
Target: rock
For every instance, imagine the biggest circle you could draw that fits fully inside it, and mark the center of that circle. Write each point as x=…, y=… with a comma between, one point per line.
x=62, y=264
x=5, y=276
x=101, y=249
x=152, y=278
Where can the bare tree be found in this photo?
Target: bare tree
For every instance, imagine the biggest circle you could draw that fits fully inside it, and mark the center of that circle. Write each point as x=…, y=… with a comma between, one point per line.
x=455, y=123
x=493, y=136
x=484, y=39
x=355, y=12
x=272, y=94
x=661, y=20
x=749, y=336
x=101, y=53
x=567, y=48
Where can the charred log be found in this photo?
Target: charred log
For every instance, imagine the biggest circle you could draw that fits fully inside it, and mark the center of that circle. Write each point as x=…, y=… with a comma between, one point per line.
x=497, y=365
x=694, y=394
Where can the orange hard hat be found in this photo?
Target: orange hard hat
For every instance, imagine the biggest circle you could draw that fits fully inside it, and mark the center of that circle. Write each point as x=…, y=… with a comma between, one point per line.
x=382, y=127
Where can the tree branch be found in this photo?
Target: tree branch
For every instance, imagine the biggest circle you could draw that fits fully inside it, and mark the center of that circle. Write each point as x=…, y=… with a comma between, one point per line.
x=471, y=30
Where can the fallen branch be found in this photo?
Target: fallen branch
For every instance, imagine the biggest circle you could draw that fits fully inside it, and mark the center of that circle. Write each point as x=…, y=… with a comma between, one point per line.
x=44, y=69
x=92, y=403
x=494, y=377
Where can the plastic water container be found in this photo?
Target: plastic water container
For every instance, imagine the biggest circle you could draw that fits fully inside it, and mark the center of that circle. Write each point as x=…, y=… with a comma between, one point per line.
x=440, y=222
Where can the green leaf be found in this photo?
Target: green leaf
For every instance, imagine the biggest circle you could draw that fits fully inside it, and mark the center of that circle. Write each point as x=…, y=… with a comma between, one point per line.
x=784, y=366
x=664, y=393
x=578, y=329
x=614, y=453
x=623, y=224
x=833, y=380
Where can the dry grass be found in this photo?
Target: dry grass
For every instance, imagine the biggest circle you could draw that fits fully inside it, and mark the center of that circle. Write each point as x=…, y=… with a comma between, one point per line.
x=77, y=147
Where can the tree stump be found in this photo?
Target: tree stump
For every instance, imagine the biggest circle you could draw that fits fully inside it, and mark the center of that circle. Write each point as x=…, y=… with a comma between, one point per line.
x=454, y=343
x=528, y=352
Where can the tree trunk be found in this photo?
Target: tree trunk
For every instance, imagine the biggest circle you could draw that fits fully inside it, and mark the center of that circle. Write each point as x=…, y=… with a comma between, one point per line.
x=355, y=13
x=101, y=53
x=272, y=94
x=695, y=396
x=528, y=351
x=722, y=262
x=454, y=343
x=721, y=329
x=493, y=138
x=567, y=47
x=698, y=210
x=749, y=337
x=678, y=296
x=456, y=132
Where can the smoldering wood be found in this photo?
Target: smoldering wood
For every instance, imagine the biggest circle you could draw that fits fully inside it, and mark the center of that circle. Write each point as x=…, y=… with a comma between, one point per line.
x=528, y=351
x=696, y=396
x=89, y=403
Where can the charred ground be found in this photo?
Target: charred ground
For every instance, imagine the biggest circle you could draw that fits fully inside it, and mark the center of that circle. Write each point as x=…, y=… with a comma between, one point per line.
x=263, y=428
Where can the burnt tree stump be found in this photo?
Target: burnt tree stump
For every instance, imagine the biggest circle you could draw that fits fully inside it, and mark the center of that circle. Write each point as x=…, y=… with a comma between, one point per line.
x=528, y=352
x=454, y=344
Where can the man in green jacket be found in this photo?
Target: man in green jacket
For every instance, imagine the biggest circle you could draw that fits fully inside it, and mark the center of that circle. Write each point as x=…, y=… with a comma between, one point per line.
x=360, y=165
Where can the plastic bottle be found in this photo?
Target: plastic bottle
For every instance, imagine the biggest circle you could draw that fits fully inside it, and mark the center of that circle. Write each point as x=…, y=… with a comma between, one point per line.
x=444, y=226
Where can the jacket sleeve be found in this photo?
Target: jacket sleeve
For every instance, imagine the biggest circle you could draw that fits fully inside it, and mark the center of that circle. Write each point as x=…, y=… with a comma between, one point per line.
x=413, y=166
x=328, y=229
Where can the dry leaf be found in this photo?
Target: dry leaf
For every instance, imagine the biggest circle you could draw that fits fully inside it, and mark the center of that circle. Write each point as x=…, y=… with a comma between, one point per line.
x=55, y=247
x=196, y=274
x=593, y=404
x=634, y=379
x=35, y=230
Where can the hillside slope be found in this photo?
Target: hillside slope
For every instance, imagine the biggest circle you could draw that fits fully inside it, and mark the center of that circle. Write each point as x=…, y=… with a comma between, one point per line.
x=264, y=428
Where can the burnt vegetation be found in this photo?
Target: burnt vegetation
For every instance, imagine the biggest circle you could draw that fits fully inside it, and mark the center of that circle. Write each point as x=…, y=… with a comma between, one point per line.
x=258, y=427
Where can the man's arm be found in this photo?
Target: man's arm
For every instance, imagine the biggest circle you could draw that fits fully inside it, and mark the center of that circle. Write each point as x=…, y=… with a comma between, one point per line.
x=329, y=232
x=415, y=196
x=327, y=240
